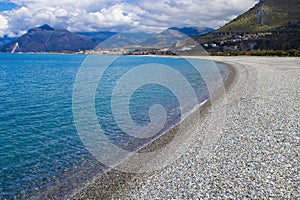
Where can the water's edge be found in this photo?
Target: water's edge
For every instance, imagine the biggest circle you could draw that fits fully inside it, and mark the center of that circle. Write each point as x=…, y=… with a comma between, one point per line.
x=112, y=178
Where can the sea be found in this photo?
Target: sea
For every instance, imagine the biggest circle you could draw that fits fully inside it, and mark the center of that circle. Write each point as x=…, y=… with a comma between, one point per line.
x=43, y=153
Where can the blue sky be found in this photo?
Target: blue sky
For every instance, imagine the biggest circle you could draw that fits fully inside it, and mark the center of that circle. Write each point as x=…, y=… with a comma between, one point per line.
x=6, y=5
x=17, y=16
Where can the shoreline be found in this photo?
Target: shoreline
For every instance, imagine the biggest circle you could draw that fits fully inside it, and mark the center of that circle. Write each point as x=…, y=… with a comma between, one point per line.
x=219, y=54
x=110, y=180
x=256, y=155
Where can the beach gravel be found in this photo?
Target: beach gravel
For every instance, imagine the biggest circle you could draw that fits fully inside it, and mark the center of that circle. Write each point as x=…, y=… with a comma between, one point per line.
x=256, y=153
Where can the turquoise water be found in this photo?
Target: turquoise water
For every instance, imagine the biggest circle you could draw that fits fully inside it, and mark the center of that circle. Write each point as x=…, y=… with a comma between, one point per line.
x=40, y=149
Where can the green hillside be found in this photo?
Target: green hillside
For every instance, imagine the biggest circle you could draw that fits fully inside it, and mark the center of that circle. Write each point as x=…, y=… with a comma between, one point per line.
x=269, y=25
x=267, y=15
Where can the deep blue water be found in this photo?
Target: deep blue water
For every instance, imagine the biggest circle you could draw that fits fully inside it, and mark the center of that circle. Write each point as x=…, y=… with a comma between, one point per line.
x=40, y=149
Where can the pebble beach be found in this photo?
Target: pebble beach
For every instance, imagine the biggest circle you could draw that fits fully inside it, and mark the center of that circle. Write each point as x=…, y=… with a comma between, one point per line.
x=252, y=146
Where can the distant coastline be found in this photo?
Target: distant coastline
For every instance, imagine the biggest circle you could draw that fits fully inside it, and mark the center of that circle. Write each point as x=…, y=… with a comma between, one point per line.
x=265, y=53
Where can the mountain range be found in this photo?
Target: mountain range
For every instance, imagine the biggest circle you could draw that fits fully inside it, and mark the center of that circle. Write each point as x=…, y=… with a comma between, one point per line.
x=98, y=36
x=48, y=39
x=164, y=39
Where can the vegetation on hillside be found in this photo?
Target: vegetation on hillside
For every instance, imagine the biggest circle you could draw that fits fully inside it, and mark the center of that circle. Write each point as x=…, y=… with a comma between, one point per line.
x=269, y=25
x=267, y=15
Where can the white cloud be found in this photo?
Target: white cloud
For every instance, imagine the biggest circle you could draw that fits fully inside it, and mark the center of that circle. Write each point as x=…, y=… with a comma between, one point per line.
x=60, y=12
x=93, y=15
x=212, y=13
x=3, y=26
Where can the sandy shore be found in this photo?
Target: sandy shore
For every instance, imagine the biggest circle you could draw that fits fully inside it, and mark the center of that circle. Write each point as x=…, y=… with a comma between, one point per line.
x=251, y=148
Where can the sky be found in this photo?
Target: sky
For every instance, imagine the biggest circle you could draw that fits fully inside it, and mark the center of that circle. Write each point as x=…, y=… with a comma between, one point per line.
x=17, y=16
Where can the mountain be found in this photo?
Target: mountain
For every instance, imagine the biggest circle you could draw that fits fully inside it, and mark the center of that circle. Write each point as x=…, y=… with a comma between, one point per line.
x=267, y=15
x=122, y=40
x=48, y=39
x=269, y=25
x=164, y=39
x=193, y=31
x=99, y=36
x=5, y=40
x=171, y=36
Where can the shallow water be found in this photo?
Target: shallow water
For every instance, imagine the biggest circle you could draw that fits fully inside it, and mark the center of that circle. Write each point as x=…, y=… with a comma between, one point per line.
x=40, y=149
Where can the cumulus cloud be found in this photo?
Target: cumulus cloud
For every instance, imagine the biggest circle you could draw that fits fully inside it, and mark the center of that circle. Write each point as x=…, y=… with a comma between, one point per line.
x=211, y=13
x=3, y=26
x=119, y=15
x=60, y=12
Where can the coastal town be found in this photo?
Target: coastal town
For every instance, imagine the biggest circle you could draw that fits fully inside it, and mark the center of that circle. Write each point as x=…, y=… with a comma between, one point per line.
x=234, y=41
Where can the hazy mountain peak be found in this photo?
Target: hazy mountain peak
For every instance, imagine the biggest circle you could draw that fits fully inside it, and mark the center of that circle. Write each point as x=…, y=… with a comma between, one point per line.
x=46, y=27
